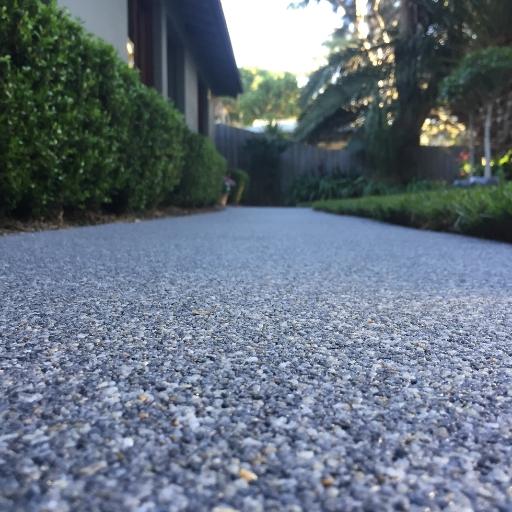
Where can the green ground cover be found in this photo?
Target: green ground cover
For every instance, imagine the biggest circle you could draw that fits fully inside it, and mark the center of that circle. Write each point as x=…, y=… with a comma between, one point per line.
x=481, y=211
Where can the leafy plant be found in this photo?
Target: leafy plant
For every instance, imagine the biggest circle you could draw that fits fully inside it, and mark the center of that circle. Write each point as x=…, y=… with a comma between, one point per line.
x=241, y=179
x=307, y=189
x=504, y=166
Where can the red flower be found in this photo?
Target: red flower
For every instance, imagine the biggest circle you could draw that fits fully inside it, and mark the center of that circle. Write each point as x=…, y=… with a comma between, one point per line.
x=464, y=156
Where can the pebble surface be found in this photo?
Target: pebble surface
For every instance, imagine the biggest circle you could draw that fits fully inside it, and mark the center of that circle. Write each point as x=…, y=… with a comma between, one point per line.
x=255, y=360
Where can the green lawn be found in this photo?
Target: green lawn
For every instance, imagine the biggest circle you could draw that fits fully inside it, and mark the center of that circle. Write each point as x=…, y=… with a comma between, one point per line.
x=481, y=211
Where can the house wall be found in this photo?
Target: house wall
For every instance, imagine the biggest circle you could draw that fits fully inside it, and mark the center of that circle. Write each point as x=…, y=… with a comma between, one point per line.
x=106, y=19
x=191, y=97
x=189, y=102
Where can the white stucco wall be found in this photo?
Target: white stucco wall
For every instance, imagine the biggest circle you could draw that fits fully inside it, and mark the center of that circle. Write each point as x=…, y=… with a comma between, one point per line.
x=191, y=98
x=107, y=19
x=160, y=47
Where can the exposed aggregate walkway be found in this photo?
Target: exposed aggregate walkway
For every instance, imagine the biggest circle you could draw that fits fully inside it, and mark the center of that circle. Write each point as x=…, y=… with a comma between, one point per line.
x=255, y=360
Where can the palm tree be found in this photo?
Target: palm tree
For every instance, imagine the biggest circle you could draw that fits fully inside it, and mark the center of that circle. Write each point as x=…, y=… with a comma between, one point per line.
x=410, y=47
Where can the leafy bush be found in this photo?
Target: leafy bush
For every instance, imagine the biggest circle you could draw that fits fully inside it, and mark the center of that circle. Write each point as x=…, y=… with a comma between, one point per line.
x=203, y=173
x=312, y=188
x=503, y=166
x=80, y=131
x=153, y=153
x=55, y=131
x=241, y=179
x=480, y=211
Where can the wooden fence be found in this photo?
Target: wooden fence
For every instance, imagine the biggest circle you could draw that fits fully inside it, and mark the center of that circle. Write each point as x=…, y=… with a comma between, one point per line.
x=434, y=163
x=301, y=157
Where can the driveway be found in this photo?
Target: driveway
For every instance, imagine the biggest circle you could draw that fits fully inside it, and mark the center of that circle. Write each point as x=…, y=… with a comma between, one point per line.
x=255, y=360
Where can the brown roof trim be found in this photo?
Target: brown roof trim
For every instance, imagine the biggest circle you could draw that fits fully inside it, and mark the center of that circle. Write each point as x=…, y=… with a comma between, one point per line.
x=207, y=32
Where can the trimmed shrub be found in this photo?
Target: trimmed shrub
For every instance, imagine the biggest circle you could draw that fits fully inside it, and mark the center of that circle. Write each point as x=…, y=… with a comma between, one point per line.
x=79, y=130
x=480, y=211
x=153, y=152
x=203, y=173
x=241, y=179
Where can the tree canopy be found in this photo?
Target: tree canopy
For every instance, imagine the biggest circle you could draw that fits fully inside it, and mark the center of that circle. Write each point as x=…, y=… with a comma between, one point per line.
x=480, y=77
x=267, y=96
x=474, y=85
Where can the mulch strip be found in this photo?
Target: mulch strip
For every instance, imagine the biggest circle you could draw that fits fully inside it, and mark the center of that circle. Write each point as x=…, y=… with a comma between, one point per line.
x=10, y=225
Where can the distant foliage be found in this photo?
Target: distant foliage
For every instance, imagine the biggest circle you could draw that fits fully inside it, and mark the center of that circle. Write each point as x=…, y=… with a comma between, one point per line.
x=481, y=76
x=503, y=166
x=79, y=130
x=263, y=159
x=267, y=96
x=314, y=188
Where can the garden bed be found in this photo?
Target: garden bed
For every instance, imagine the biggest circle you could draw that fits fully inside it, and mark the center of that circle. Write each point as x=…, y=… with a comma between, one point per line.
x=481, y=211
x=9, y=225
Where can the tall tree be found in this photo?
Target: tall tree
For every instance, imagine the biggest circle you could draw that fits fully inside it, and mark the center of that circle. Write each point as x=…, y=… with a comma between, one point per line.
x=388, y=73
x=267, y=96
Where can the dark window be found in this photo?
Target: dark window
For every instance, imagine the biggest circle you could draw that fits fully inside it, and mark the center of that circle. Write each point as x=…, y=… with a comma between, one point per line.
x=176, y=69
x=202, y=110
x=141, y=34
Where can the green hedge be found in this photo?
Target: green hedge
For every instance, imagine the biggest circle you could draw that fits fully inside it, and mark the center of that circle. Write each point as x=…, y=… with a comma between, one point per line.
x=78, y=129
x=203, y=173
x=480, y=211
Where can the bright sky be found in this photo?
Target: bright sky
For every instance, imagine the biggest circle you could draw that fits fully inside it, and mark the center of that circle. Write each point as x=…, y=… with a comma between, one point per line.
x=266, y=34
